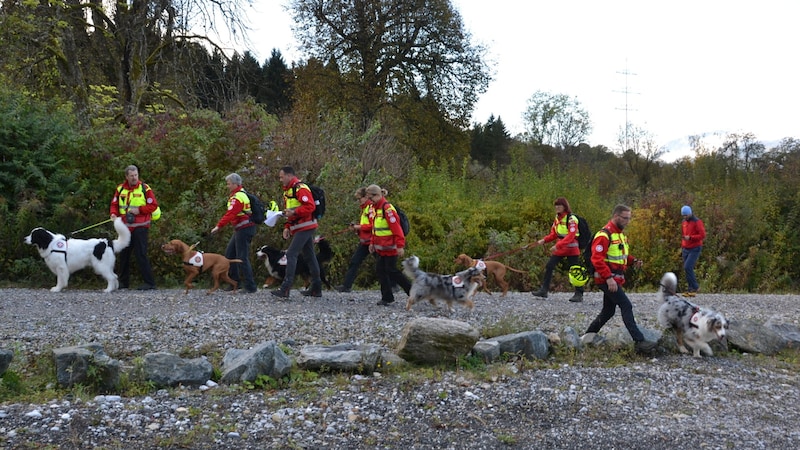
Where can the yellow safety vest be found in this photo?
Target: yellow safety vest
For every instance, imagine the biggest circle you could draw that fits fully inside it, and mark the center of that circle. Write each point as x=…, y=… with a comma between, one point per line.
x=617, y=248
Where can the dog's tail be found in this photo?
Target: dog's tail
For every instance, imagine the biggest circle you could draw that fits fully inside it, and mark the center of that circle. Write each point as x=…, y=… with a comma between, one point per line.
x=515, y=270
x=410, y=266
x=669, y=285
x=123, y=239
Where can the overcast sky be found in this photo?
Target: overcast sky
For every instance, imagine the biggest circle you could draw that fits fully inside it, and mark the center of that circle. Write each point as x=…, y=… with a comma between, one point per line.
x=693, y=67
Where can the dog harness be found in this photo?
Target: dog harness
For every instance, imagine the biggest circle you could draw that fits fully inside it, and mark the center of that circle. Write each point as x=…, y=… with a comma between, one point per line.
x=195, y=260
x=695, y=317
x=61, y=247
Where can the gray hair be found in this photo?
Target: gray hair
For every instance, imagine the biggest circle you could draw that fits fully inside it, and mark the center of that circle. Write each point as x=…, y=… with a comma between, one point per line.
x=234, y=178
x=130, y=169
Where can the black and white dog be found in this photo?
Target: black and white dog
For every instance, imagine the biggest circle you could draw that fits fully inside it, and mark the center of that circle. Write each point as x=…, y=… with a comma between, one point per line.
x=275, y=261
x=694, y=326
x=66, y=256
x=460, y=288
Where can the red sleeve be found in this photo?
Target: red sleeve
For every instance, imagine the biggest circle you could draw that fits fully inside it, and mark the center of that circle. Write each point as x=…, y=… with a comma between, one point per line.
x=599, y=251
x=114, y=209
x=394, y=225
x=234, y=208
x=150, y=202
x=553, y=234
x=700, y=228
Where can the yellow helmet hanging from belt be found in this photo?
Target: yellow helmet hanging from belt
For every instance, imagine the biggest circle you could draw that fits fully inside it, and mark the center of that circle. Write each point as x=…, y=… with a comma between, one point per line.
x=578, y=276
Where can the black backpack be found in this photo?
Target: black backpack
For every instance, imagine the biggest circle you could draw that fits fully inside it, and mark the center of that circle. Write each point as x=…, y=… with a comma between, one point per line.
x=585, y=238
x=319, y=198
x=404, y=223
x=258, y=213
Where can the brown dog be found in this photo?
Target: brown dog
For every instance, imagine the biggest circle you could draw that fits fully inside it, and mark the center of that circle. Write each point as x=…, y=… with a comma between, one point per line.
x=496, y=269
x=195, y=262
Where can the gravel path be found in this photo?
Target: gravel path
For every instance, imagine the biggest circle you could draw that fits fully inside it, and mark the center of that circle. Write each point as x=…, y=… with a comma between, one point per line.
x=673, y=401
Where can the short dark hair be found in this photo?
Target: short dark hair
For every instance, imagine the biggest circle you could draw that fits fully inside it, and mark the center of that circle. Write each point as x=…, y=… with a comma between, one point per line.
x=619, y=209
x=287, y=170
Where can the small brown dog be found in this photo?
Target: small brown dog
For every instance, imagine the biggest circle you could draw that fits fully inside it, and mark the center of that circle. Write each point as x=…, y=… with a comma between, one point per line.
x=496, y=269
x=195, y=262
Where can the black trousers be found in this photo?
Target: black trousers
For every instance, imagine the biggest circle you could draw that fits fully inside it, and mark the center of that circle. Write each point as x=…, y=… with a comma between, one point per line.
x=387, y=271
x=138, y=247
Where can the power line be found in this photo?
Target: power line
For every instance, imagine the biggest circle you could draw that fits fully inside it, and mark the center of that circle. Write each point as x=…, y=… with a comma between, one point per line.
x=626, y=91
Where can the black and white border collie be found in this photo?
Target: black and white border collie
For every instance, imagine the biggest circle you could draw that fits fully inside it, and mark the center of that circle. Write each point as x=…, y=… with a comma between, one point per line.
x=66, y=256
x=693, y=325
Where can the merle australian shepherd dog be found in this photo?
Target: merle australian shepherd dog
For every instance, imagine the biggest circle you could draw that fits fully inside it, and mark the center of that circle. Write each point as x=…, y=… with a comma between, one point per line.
x=694, y=326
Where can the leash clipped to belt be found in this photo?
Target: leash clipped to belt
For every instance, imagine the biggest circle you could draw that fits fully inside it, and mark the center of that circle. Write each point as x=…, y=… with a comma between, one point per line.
x=509, y=252
x=91, y=226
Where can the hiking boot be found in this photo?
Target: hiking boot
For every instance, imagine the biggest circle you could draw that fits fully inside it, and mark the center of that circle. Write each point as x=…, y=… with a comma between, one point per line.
x=342, y=288
x=385, y=303
x=645, y=347
x=312, y=293
x=146, y=287
x=540, y=293
x=577, y=298
x=588, y=338
x=280, y=293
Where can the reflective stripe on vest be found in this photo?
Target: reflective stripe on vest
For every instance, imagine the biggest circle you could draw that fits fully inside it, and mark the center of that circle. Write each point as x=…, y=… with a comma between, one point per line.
x=617, y=248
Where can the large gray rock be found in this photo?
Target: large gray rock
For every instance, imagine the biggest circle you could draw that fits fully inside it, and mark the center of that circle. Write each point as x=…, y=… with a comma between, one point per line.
x=87, y=365
x=530, y=344
x=166, y=369
x=788, y=331
x=435, y=341
x=340, y=358
x=5, y=360
x=488, y=350
x=753, y=337
x=247, y=365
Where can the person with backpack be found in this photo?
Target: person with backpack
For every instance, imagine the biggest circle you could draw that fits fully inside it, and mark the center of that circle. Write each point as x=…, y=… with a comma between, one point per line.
x=239, y=215
x=693, y=231
x=300, y=226
x=564, y=232
x=610, y=259
x=136, y=202
x=388, y=242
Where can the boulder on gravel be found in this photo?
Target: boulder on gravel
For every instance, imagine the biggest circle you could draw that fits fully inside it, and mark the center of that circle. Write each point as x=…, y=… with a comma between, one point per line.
x=247, y=365
x=435, y=341
x=87, y=365
x=351, y=358
x=752, y=337
x=166, y=369
x=5, y=360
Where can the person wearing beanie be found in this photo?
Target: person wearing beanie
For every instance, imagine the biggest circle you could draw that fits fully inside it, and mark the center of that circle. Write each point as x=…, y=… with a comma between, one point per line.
x=693, y=231
x=564, y=231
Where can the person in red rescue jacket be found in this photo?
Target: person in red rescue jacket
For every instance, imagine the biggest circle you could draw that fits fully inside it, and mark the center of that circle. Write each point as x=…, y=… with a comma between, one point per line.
x=300, y=225
x=135, y=202
x=238, y=216
x=693, y=231
x=564, y=231
x=388, y=242
x=610, y=258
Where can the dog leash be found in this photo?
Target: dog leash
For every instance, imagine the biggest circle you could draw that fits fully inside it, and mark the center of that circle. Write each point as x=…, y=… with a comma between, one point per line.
x=91, y=226
x=509, y=252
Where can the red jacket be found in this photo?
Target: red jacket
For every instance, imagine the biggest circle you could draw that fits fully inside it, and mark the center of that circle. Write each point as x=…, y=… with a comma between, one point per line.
x=302, y=219
x=145, y=199
x=235, y=214
x=387, y=245
x=694, y=228
x=602, y=268
x=563, y=245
